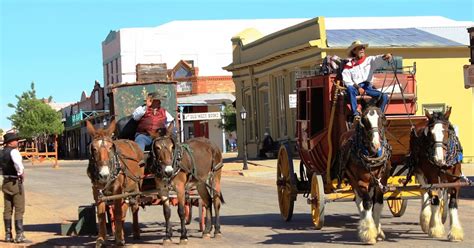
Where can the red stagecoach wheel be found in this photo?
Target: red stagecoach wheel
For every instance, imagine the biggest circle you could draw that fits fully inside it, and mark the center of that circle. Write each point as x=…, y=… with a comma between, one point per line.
x=286, y=200
x=397, y=206
x=317, y=201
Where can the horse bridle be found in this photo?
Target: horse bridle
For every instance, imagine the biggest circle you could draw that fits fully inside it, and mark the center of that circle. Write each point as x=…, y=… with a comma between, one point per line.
x=433, y=144
x=112, y=163
x=157, y=160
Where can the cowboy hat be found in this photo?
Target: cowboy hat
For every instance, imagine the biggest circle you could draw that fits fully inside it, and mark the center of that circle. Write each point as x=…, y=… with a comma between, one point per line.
x=9, y=137
x=355, y=44
x=155, y=96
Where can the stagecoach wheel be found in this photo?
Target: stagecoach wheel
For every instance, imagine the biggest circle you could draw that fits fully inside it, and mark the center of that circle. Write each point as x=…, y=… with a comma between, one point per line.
x=317, y=201
x=188, y=211
x=286, y=200
x=397, y=206
x=443, y=204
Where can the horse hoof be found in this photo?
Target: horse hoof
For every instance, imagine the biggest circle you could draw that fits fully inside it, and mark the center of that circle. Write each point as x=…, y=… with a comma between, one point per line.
x=100, y=243
x=167, y=241
x=206, y=236
x=183, y=241
x=436, y=232
x=456, y=235
x=120, y=243
x=217, y=235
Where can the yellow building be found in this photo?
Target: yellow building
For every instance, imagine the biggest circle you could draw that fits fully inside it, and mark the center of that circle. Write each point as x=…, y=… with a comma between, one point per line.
x=264, y=70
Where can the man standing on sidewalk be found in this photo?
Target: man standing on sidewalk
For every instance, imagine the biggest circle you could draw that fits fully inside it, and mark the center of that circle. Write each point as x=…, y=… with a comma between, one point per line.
x=12, y=187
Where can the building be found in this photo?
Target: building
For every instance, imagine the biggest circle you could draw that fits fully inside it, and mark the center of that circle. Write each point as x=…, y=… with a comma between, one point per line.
x=75, y=139
x=264, y=68
x=197, y=50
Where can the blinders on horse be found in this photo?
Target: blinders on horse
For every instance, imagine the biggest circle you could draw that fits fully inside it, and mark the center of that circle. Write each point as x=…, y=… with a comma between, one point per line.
x=163, y=149
x=432, y=133
x=102, y=163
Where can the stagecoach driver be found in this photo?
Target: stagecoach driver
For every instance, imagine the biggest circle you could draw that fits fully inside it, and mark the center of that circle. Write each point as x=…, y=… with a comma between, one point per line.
x=358, y=74
x=12, y=188
x=150, y=117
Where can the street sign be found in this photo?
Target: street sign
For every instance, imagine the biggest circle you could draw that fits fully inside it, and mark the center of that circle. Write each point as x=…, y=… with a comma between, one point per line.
x=202, y=116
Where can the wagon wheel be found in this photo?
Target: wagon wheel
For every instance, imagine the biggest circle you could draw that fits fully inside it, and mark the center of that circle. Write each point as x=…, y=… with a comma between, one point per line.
x=188, y=211
x=317, y=201
x=443, y=204
x=286, y=198
x=397, y=206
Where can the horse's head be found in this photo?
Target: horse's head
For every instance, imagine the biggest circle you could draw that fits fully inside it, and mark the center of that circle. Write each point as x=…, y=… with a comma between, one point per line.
x=437, y=134
x=163, y=148
x=101, y=152
x=372, y=124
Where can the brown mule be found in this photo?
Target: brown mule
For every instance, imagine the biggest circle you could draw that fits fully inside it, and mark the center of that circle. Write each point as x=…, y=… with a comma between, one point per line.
x=114, y=168
x=197, y=162
x=435, y=157
x=365, y=157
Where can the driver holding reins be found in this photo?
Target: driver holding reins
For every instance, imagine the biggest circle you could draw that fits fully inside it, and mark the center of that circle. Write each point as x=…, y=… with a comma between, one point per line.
x=150, y=117
x=358, y=74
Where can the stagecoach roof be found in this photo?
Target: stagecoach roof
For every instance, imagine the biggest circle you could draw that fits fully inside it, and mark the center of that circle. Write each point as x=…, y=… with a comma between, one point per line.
x=206, y=99
x=395, y=37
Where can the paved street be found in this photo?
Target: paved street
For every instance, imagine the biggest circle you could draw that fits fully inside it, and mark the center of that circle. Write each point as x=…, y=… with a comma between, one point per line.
x=250, y=216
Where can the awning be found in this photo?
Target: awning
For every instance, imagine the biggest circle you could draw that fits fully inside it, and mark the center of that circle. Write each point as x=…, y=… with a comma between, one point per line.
x=206, y=99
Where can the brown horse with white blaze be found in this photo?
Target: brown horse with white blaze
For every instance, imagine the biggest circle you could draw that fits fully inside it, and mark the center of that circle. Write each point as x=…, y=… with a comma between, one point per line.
x=365, y=157
x=435, y=157
x=197, y=162
x=114, y=168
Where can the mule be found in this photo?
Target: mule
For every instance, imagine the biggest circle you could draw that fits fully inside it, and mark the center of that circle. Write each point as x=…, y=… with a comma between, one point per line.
x=115, y=167
x=365, y=157
x=435, y=157
x=197, y=162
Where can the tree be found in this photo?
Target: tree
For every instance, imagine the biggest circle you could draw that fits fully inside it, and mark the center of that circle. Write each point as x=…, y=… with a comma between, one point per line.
x=34, y=118
x=230, y=122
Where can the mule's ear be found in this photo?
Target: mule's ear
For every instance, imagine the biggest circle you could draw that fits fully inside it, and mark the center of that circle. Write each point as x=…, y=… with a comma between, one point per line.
x=428, y=115
x=111, y=128
x=170, y=128
x=90, y=128
x=447, y=113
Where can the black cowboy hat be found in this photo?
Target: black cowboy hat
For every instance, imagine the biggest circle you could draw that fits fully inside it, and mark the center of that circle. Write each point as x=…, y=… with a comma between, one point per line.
x=9, y=137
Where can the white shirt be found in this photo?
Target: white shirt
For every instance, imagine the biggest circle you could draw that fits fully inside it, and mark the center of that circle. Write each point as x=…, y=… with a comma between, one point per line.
x=356, y=72
x=141, y=110
x=17, y=161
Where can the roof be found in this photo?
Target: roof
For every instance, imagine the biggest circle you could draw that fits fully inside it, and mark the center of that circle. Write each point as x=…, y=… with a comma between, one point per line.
x=206, y=99
x=396, y=37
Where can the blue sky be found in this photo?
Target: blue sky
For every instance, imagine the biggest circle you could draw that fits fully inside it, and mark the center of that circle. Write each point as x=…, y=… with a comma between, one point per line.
x=57, y=43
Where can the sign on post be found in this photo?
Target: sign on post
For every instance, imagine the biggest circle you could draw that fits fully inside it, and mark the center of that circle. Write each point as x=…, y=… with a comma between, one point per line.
x=202, y=116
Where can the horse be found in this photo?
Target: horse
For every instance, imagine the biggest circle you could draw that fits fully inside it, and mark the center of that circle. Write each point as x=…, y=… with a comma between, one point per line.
x=435, y=157
x=115, y=167
x=197, y=162
x=365, y=159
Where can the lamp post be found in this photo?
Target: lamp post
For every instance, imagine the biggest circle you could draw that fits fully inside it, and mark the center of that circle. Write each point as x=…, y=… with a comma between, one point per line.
x=243, y=116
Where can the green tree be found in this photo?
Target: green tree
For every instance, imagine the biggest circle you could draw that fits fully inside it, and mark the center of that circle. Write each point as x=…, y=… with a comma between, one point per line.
x=34, y=118
x=230, y=122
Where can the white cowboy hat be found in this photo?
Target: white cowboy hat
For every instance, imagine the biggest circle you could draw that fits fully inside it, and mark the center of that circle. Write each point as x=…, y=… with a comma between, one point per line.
x=355, y=44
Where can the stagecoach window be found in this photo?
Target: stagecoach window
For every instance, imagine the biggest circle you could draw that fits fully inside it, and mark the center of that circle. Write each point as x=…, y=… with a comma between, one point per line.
x=303, y=111
x=317, y=113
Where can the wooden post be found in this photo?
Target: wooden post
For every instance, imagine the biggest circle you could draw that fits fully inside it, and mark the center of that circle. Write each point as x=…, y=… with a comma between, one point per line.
x=55, y=152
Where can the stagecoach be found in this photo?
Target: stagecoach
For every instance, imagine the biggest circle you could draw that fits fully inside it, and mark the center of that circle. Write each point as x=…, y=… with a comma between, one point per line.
x=322, y=116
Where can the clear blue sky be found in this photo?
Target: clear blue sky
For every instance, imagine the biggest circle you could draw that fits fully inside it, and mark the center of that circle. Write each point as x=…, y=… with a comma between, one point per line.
x=57, y=43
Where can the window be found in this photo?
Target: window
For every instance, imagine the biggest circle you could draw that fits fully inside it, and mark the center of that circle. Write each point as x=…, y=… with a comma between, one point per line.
x=264, y=105
x=302, y=110
x=96, y=97
x=249, y=122
x=281, y=105
x=317, y=112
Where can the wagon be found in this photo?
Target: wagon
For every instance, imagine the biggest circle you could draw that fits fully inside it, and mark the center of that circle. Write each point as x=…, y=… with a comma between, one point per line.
x=126, y=97
x=322, y=116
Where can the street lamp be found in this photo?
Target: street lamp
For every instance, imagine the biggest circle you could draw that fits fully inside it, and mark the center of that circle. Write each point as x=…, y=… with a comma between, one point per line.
x=243, y=116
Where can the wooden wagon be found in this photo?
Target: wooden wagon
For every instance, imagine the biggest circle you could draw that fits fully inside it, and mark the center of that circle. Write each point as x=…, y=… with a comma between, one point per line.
x=322, y=116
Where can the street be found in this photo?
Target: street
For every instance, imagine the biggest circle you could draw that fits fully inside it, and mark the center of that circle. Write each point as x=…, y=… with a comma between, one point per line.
x=250, y=216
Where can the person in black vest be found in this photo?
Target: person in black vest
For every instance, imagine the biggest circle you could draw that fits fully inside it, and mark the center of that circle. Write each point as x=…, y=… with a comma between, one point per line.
x=12, y=187
x=150, y=117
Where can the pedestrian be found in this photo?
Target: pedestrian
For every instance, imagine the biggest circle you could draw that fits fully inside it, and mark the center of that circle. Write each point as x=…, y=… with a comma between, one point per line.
x=12, y=187
x=358, y=74
x=151, y=117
